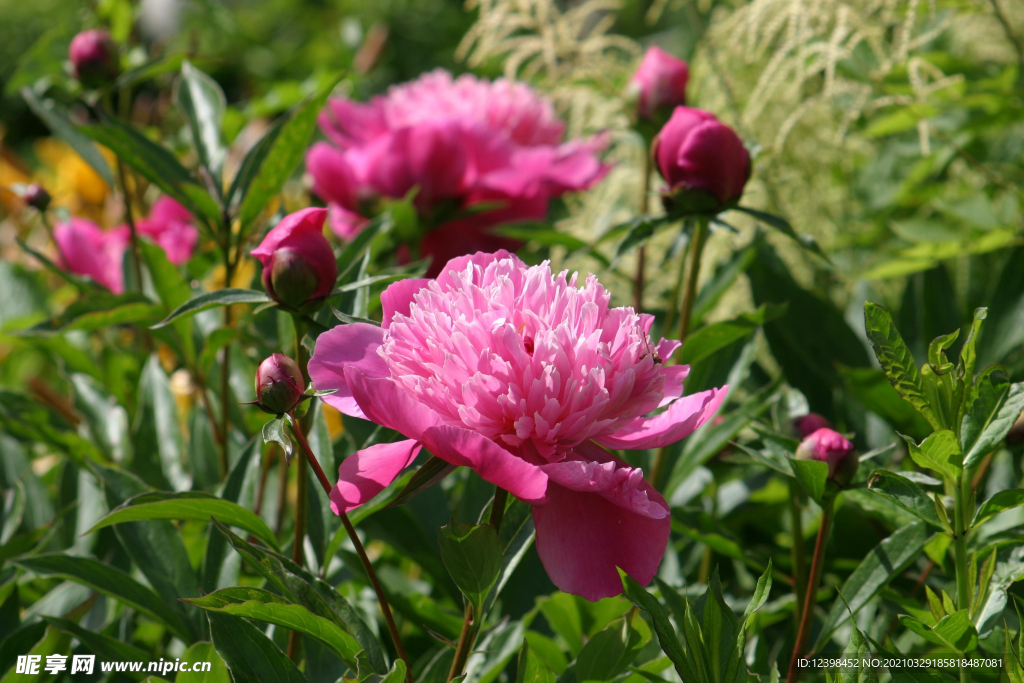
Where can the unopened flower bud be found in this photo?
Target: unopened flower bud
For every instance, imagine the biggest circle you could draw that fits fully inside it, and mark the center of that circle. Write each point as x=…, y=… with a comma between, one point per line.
x=94, y=58
x=37, y=197
x=810, y=423
x=831, y=447
x=659, y=83
x=703, y=161
x=298, y=262
x=279, y=385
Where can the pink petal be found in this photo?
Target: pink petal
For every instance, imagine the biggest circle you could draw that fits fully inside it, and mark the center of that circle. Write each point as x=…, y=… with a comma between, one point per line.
x=666, y=347
x=678, y=422
x=397, y=297
x=344, y=346
x=582, y=537
x=366, y=473
x=493, y=463
x=479, y=260
x=674, y=376
x=384, y=402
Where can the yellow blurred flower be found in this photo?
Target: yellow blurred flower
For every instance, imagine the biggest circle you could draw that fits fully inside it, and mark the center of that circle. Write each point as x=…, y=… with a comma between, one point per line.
x=72, y=182
x=10, y=174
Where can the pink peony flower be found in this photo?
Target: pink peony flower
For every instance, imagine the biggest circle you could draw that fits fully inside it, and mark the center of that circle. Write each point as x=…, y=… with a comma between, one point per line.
x=298, y=262
x=660, y=82
x=171, y=226
x=87, y=249
x=460, y=141
x=527, y=378
x=696, y=151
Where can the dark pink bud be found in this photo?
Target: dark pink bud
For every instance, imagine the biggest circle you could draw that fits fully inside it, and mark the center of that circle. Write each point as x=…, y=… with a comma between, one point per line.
x=660, y=82
x=698, y=154
x=828, y=446
x=94, y=58
x=810, y=423
x=298, y=262
x=279, y=385
x=37, y=197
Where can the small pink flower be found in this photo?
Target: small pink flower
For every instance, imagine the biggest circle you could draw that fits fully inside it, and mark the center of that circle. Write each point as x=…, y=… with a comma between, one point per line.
x=458, y=140
x=810, y=423
x=696, y=151
x=298, y=262
x=526, y=377
x=171, y=226
x=660, y=81
x=93, y=57
x=87, y=249
x=828, y=446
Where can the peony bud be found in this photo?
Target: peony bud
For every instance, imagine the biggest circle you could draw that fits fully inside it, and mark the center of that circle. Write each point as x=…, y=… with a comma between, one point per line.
x=279, y=385
x=660, y=82
x=94, y=58
x=298, y=262
x=703, y=161
x=37, y=197
x=810, y=423
x=828, y=446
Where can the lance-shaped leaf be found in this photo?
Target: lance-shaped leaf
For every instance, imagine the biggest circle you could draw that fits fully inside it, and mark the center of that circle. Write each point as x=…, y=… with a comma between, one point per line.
x=57, y=120
x=249, y=654
x=939, y=452
x=220, y=297
x=813, y=476
x=906, y=494
x=530, y=668
x=897, y=361
x=472, y=555
x=203, y=102
x=261, y=605
x=666, y=634
x=188, y=505
x=611, y=650
x=101, y=309
x=1000, y=502
x=954, y=632
x=994, y=405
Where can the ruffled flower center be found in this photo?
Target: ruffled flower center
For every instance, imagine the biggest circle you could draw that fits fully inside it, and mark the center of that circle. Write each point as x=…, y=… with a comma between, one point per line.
x=524, y=357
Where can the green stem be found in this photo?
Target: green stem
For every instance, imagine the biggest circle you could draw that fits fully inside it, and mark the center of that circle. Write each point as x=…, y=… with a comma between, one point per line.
x=300, y=538
x=471, y=621
x=133, y=234
x=961, y=525
x=700, y=235
x=382, y=600
x=799, y=551
x=817, y=564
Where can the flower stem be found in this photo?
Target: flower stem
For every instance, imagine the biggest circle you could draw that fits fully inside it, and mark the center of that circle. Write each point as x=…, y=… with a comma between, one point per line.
x=700, y=235
x=470, y=621
x=300, y=539
x=799, y=552
x=817, y=564
x=961, y=525
x=360, y=551
x=133, y=234
x=641, y=257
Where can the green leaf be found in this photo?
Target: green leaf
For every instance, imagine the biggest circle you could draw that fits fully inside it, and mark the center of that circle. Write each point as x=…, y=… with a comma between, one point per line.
x=251, y=165
x=156, y=164
x=261, y=605
x=219, y=297
x=994, y=406
x=969, y=353
x=472, y=555
x=939, y=452
x=711, y=338
x=638, y=232
x=203, y=102
x=884, y=562
x=275, y=431
x=761, y=591
x=283, y=156
x=200, y=653
x=54, y=641
x=857, y=650
x=428, y=474
x=104, y=647
x=249, y=654
x=954, y=632
x=101, y=309
x=189, y=505
x=813, y=476
x=531, y=669
x=611, y=650
x=871, y=387
x=896, y=360
x=57, y=120
x=783, y=226
x=723, y=278
x=108, y=580
x=300, y=587
x=517, y=534
x=906, y=494
x=1000, y=502
x=662, y=626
